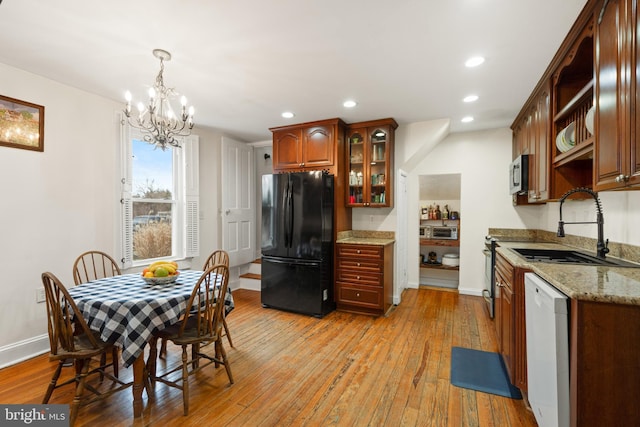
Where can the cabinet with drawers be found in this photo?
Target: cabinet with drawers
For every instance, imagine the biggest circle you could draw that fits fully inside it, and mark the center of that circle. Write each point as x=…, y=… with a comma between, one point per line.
x=364, y=278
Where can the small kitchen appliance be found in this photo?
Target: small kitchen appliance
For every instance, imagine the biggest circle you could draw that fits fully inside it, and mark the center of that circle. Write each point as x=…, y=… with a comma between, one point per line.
x=519, y=175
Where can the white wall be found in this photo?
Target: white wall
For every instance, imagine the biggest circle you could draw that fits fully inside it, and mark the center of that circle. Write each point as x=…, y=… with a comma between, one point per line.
x=64, y=201
x=57, y=204
x=621, y=211
x=482, y=159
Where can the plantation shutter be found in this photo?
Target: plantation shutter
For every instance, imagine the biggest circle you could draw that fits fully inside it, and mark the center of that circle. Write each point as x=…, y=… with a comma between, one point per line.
x=126, y=201
x=192, y=196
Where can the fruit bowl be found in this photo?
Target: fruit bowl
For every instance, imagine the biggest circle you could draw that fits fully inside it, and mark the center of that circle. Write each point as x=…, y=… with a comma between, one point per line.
x=161, y=280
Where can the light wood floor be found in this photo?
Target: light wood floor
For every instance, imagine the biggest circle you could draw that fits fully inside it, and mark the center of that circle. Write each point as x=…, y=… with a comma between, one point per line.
x=290, y=369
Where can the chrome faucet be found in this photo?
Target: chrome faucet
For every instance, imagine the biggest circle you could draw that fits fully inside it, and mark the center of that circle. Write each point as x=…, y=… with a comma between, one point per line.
x=602, y=244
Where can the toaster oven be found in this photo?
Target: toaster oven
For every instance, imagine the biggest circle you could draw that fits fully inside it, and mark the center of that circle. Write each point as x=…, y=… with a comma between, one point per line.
x=439, y=232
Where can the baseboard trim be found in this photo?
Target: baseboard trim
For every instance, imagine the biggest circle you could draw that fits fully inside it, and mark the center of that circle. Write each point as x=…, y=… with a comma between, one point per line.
x=470, y=291
x=23, y=350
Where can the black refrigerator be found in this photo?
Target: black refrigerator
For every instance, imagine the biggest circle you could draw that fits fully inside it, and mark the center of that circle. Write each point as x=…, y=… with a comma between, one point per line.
x=297, y=242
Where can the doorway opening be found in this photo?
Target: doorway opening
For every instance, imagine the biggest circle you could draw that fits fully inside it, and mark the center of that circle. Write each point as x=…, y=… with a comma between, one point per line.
x=440, y=229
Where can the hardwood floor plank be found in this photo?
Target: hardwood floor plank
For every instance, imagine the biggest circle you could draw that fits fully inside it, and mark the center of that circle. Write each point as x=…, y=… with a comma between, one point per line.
x=293, y=370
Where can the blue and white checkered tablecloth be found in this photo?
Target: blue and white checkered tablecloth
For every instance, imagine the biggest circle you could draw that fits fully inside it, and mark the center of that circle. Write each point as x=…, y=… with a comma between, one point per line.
x=126, y=310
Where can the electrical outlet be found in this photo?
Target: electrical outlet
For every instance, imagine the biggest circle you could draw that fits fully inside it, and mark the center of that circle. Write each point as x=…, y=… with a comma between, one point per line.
x=40, y=297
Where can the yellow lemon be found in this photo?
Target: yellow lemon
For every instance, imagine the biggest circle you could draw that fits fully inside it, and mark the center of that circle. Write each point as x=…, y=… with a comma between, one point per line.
x=148, y=274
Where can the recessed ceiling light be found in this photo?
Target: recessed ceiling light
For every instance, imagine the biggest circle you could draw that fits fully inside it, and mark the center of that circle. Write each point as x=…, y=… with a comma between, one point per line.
x=474, y=61
x=467, y=119
x=470, y=98
x=288, y=115
x=349, y=103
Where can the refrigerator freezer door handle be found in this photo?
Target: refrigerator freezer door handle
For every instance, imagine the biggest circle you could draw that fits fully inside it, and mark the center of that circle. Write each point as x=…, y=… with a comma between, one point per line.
x=290, y=214
x=287, y=216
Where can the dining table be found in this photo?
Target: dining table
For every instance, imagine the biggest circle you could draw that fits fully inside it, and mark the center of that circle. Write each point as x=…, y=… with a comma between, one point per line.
x=127, y=311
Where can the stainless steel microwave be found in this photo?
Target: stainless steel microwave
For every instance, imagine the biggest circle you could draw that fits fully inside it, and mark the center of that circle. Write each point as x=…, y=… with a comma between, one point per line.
x=439, y=232
x=519, y=175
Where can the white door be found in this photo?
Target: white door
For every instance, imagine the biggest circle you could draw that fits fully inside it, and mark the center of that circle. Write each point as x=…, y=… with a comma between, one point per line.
x=238, y=210
x=401, y=281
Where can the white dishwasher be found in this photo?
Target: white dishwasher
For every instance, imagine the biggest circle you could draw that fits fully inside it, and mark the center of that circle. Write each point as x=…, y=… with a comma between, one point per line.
x=547, y=352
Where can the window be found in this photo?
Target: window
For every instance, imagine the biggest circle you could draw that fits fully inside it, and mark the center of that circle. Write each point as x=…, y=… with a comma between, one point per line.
x=159, y=200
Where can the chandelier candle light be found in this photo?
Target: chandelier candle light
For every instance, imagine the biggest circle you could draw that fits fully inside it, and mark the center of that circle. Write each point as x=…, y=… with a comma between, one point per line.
x=158, y=119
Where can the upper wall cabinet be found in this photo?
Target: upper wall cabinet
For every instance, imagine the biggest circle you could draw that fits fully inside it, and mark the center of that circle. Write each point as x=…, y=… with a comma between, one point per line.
x=572, y=134
x=370, y=163
x=308, y=146
x=617, y=158
x=594, y=126
x=531, y=136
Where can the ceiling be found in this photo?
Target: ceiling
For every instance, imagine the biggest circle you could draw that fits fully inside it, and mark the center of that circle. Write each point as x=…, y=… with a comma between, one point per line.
x=241, y=63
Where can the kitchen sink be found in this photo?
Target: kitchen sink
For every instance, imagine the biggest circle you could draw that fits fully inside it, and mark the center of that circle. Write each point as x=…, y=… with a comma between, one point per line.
x=561, y=256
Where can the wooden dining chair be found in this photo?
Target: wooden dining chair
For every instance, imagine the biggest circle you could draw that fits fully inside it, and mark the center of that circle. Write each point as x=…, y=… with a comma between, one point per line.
x=201, y=325
x=71, y=339
x=217, y=257
x=220, y=257
x=93, y=265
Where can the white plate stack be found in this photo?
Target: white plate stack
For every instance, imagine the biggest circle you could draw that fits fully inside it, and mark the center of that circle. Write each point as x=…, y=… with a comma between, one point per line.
x=566, y=138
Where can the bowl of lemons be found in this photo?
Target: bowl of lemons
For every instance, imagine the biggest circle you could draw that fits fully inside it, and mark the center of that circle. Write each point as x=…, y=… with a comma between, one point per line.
x=161, y=273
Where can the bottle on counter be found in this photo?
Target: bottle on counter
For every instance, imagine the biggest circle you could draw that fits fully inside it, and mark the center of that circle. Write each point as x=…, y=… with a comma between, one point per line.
x=438, y=212
x=445, y=212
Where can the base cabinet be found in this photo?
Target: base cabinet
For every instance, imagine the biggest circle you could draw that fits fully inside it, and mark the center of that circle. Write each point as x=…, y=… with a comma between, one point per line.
x=510, y=320
x=364, y=278
x=604, y=372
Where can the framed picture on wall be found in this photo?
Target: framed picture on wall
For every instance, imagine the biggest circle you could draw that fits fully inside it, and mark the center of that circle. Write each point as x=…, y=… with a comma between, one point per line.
x=21, y=124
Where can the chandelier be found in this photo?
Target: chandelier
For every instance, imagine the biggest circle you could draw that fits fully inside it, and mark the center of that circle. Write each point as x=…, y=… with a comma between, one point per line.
x=157, y=120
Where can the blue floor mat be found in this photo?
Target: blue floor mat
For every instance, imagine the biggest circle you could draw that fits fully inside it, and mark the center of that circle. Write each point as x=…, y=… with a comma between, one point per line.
x=482, y=371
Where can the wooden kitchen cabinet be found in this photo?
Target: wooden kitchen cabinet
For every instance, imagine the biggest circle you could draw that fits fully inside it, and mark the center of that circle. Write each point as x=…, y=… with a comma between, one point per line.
x=510, y=320
x=308, y=146
x=539, y=148
x=370, y=147
x=315, y=146
x=364, y=278
x=531, y=136
x=604, y=373
x=616, y=157
x=572, y=97
x=596, y=67
x=504, y=313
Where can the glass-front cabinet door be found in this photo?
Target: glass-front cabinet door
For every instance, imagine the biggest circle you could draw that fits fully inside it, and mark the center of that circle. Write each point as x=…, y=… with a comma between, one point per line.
x=357, y=170
x=378, y=166
x=370, y=160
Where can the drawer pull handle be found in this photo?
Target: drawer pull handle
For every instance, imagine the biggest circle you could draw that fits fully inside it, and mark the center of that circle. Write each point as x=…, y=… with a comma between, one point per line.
x=358, y=277
x=358, y=264
x=358, y=251
x=358, y=294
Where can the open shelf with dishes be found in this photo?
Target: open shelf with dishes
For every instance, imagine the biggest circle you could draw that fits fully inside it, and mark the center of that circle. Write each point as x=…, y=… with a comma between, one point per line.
x=572, y=128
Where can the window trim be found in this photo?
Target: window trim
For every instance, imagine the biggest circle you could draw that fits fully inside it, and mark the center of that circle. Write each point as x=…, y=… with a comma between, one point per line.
x=186, y=241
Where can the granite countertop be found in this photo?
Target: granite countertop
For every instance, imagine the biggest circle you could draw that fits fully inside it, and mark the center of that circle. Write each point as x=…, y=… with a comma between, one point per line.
x=617, y=285
x=366, y=237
